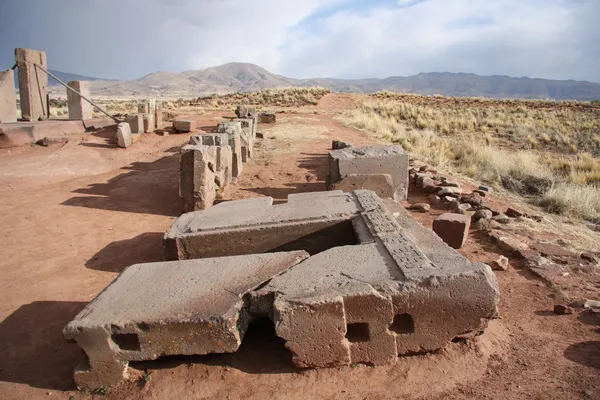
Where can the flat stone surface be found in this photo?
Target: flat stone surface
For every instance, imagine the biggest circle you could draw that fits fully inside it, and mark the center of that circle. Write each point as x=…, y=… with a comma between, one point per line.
x=136, y=123
x=197, y=187
x=170, y=308
x=381, y=184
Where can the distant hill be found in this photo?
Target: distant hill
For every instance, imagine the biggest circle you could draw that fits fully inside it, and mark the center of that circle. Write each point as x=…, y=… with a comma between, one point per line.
x=243, y=77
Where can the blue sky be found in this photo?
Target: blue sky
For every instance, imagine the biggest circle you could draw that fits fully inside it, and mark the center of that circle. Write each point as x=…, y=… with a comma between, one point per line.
x=126, y=39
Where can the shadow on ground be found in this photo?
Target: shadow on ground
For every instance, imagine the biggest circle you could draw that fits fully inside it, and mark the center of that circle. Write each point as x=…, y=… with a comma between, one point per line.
x=585, y=353
x=118, y=255
x=33, y=350
x=261, y=352
x=147, y=188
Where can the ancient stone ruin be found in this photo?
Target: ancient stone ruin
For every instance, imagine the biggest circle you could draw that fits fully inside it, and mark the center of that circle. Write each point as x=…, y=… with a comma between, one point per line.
x=342, y=279
x=383, y=169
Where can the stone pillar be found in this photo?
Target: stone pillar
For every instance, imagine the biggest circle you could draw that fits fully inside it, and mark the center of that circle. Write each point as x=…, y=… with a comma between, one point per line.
x=136, y=122
x=197, y=187
x=158, y=118
x=78, y=107
x=32, y=83
x=8, y=101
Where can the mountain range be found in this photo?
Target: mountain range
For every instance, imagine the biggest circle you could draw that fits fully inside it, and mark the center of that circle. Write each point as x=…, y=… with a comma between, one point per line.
x=244, y=77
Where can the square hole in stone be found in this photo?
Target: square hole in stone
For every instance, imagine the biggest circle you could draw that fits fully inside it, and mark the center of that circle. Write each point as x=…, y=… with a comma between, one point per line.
x=126, y=341
x=403, y=323
x=358, y=332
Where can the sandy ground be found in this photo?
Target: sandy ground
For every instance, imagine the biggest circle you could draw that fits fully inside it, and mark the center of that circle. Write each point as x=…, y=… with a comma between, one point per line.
x=74, y=215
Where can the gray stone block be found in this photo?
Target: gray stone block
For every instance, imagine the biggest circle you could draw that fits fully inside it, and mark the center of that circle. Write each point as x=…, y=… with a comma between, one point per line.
x=169, y=308
x=390, y=160
x=197, y=187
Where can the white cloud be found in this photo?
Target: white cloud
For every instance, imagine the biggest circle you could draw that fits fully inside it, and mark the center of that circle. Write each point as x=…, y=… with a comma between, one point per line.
x=514, y=37
x=310, y=38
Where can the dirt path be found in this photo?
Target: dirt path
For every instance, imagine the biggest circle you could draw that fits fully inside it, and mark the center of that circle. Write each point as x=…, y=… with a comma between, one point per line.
x=74, y=216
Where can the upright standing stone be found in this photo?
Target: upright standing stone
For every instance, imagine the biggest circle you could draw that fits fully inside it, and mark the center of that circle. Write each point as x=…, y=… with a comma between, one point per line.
x=234, y=130
x=158, y=117
x=78, y=107
x=197, y=186
x=149, y=123
x=136, y=122
x=8, y=101
x=32, y=83
x=124, y=138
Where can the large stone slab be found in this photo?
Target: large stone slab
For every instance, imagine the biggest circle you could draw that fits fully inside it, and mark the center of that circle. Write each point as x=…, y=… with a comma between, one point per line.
x=169, y=308
x=78, y=107
x=8, y=100
x=256, y=225
x=248, y=135
x=32, y=83
x=136, y=123
x=390, y=160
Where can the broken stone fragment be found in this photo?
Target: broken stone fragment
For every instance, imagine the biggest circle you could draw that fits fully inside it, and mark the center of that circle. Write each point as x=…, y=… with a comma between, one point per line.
x=501, y=218
x=453, y=229
x=482, y=214
x=450, y=191
x=562, y=309
x=500, y=264
x=434, y=199
x=511, y=212
x=340, y=144
x=422, y=207
x=487, y=189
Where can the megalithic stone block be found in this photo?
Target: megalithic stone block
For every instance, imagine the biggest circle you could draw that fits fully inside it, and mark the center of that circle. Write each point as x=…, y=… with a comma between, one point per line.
x=8, y=101
x=78, y=107
x=392, y=160
x=234, y=130
x=188, y=307
x=32, y=83
x=224, y=155
x=197, y=187
x=376, y=286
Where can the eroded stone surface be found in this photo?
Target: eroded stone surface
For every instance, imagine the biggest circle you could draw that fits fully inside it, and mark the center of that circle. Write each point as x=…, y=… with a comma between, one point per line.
x=381, y=184
x=8, y=101
x=32, y=83
x=197, y=187
x=169, y=308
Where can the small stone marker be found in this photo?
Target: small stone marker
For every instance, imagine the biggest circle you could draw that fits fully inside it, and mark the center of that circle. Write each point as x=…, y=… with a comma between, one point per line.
x=452, y=228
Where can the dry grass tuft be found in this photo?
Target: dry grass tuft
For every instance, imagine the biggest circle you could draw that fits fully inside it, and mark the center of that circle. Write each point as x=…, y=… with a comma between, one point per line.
x=532, y=147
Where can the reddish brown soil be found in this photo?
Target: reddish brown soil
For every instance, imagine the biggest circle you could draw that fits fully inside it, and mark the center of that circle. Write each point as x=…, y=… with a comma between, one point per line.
x=75, y=215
